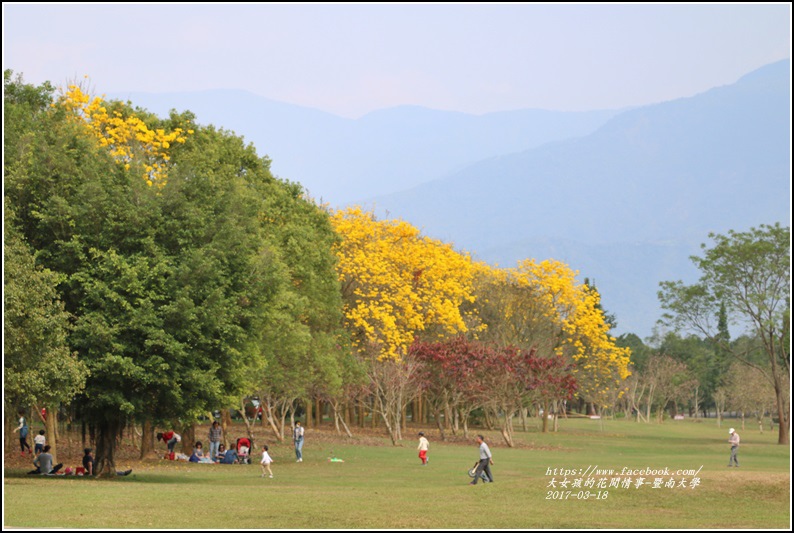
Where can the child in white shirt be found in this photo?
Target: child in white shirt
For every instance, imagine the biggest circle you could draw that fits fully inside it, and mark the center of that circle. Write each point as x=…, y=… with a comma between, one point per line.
x=38, y=442
x=265, y=462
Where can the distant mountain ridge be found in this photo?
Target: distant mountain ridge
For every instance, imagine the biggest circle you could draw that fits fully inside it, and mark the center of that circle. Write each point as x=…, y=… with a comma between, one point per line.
x=656, y=180
x=341, y=160
x=623, y=196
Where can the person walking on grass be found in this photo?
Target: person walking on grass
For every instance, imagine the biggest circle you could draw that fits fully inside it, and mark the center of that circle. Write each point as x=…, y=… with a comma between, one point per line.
x=297, y=439
x=265, y=462
x=486, y=459
x=23, y=434
x=734, y=441
x=423, y=447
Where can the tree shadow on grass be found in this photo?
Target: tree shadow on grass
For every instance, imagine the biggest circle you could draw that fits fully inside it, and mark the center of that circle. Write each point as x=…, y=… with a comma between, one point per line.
x=147, y=477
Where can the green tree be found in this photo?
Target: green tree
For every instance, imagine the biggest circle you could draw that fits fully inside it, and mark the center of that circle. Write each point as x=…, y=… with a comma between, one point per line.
x=750, y=272
x=39, y=369
x=703, y=363
x=173, y=289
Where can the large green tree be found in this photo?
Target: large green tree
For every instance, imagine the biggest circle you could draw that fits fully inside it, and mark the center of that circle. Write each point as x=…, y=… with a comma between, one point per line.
x=178, y=292
x=750, y=272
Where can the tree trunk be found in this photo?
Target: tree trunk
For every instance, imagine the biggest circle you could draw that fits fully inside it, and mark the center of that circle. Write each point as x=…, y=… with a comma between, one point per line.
x=545, y=415
x=507, y=429
x=340, y=419
x=147, y=439
x=188, y=438
x=783, y=415
x=226, y=424
x=437, y=416
x=269, y=415
x=248, y=429
x=51, y=427
x=108, y=432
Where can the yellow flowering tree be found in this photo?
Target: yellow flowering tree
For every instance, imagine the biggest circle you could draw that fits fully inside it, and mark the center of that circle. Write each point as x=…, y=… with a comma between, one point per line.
x=128, y=137
x=396, y=285
x=540, y=305
x=572, y=310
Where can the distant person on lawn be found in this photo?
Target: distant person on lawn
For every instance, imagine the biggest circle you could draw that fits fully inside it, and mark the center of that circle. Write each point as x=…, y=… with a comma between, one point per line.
x=215, y=438
x=39, y=441
x=423, y=447
x=486, y=459
x=23, y=433
x=170, y=438
x=734, y=441
x=297, y=440
x=266, y=461
x=43, y=463
x=88, y=465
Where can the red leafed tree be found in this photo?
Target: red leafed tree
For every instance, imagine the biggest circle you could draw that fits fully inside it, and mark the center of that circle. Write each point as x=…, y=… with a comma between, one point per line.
x=461, y=375
x=449, y=377
x=551, y=382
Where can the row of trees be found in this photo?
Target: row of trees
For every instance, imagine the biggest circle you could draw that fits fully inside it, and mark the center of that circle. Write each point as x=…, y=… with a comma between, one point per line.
x=156, y=270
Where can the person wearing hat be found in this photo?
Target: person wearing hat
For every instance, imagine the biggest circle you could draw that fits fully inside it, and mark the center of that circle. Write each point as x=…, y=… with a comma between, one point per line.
x=423, y=446
x=734, y=440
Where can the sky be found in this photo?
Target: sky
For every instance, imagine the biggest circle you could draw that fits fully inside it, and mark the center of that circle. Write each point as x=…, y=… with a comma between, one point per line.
x=350, y=59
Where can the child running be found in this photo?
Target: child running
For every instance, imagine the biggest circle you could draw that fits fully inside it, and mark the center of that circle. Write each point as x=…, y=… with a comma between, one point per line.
x=265, y=462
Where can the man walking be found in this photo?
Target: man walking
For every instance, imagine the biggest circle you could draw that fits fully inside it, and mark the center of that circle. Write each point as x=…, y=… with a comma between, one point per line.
x=734, y=441
x=297, y=439
x=485, y=460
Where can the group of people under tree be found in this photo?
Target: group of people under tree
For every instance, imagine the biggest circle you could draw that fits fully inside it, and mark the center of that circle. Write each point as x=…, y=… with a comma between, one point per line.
x=217, y=450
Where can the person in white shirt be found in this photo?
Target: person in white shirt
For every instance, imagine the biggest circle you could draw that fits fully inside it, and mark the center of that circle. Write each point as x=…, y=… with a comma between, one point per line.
x=265, y=462
x=38, y=442
x=423, y=447
x=734, y=441
x=485, y=459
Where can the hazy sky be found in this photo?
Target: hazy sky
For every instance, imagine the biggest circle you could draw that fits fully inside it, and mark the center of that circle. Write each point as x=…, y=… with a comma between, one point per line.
x=349, y=59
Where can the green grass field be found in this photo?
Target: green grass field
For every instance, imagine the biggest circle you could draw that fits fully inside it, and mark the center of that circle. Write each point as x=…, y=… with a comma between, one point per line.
x=384, y=487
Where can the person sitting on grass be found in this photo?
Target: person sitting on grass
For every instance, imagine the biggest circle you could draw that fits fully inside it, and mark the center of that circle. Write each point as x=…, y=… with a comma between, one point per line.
x=43, y=463
x=198, y=452
x=220, y=453
x=88, y=464
x=229, y=457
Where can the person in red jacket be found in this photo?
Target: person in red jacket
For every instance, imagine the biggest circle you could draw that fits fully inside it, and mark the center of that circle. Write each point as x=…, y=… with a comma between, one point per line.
x=170, y=438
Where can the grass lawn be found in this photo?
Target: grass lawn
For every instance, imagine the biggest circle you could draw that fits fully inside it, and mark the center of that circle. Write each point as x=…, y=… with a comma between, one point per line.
x=384, y=487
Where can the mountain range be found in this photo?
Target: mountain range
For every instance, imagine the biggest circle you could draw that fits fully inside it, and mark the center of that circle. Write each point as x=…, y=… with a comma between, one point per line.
x=622, y=196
